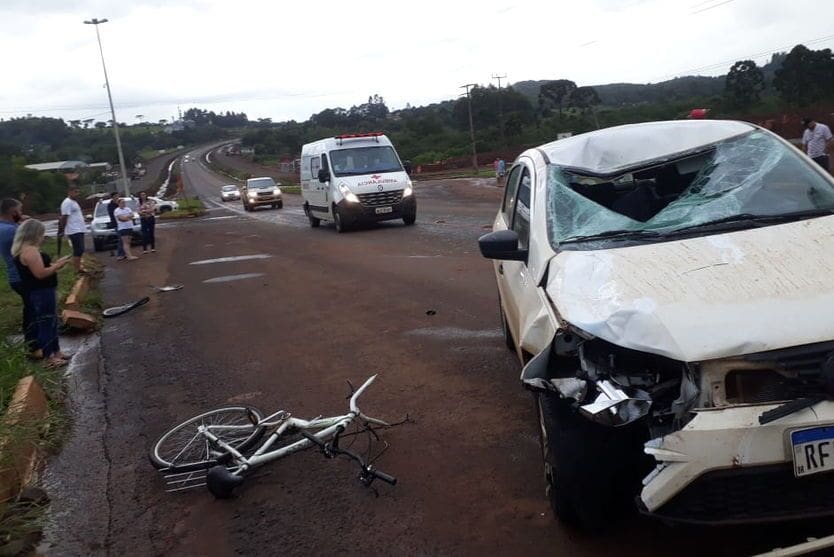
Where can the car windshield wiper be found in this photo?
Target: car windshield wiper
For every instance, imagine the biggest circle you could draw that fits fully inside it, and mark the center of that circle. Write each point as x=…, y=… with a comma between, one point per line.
x=614, y=235
x=749, y=220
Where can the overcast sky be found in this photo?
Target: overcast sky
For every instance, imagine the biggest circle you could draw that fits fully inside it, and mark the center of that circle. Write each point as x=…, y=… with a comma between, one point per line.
x=289, y=59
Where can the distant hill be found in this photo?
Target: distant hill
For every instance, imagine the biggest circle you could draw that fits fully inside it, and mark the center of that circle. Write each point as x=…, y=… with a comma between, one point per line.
x=679, y=88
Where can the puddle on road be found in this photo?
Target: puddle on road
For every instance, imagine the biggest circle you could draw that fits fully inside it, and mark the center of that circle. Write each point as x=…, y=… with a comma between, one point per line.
x=455, y=333
x=230, y=278
x=231, y=259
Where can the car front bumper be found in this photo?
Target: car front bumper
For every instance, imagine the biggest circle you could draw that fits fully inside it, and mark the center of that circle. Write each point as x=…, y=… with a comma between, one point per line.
x=230, y=197
x=354, y=213
x=264, y=200
x=724, y=467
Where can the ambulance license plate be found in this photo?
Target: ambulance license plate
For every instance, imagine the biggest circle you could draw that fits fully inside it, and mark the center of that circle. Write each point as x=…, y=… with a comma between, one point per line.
x=813, y=450
x=383, y=210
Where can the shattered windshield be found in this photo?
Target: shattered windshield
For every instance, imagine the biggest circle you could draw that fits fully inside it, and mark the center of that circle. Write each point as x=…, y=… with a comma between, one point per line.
x=737, y=182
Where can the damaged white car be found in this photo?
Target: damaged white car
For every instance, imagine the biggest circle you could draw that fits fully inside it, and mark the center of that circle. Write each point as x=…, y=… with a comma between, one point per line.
x=670, y=287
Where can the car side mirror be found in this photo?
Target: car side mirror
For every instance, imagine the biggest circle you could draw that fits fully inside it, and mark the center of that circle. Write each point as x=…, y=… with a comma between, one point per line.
x=502, y=245
x=324, y=175
x=407, y=167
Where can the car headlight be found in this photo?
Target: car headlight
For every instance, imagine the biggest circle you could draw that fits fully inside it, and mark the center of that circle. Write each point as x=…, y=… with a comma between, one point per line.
x=253, y=195
x=277, y=191
x=408, y=189
x=348, y=195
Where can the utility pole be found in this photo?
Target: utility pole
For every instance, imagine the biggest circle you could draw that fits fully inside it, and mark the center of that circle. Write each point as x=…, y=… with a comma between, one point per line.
x=471, y=126
x=500, y=108
x=125, y=181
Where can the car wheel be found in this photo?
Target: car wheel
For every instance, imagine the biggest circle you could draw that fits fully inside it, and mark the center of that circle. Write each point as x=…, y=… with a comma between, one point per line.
x=164, y=209
x=410, y=219
x=280, y=204
x=314, y=221
x=98, y=245
x=337, y=220
x=508, y=334
x=592, y=472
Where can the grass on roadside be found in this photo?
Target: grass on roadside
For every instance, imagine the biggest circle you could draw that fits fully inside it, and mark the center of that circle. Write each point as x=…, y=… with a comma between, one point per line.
x=20, y=523
x=188, y=207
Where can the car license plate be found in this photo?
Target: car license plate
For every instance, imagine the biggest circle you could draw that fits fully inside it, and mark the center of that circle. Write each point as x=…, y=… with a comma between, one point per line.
x=813, y=450
x=383, y=210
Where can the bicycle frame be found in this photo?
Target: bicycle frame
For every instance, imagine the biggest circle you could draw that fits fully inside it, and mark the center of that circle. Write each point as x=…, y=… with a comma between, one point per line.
x=282, y=422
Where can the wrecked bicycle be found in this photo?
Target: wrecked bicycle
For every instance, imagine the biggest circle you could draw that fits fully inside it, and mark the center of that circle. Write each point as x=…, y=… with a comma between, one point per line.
x=221, y=447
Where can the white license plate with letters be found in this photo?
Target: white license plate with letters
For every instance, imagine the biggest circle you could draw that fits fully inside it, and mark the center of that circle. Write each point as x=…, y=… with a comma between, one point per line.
x=813, y=450
x=383, y=210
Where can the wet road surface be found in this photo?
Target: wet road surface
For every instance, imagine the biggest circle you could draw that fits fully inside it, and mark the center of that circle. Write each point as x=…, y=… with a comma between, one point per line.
x=286, y=327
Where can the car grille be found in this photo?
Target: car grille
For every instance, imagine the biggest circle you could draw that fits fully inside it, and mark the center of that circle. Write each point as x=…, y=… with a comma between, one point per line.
x=378, y=199
x=264, y=194
x=755, y=494
x=794, y=372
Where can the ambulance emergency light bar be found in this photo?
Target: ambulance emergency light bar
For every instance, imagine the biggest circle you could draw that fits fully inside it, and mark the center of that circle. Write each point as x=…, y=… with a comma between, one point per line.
x=375, y=135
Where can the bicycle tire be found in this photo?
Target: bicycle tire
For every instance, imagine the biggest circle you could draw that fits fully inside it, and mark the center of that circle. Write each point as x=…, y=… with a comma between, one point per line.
x=170, y=443
x=121, y=310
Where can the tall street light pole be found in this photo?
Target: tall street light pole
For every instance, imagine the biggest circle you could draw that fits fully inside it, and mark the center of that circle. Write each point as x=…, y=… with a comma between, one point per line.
x=471, y=126
x=125, y=181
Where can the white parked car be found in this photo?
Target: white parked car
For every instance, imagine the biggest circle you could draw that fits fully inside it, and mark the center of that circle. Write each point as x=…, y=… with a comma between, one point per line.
x=164, y=205
x=669, y=286
x=229, y=192
x=105, y=237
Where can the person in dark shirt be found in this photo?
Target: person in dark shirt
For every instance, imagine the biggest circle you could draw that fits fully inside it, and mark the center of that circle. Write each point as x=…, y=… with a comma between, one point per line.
x=11, y=214
x=39, y=278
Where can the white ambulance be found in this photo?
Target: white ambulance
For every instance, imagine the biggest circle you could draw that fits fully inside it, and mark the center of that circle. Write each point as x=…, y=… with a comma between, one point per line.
x=353, y=179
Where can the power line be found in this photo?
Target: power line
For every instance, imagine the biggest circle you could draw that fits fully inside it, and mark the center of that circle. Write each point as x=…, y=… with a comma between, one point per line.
x=711, y=7
x=747, y=57
x=471, y=126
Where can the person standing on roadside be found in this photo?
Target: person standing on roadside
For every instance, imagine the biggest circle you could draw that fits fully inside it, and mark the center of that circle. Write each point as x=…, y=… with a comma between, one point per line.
x=111, y=207
x=817, y=142
x=147, y=210
x=124, y=227
x=11, y=214
x=72, y=225
x=39, y=278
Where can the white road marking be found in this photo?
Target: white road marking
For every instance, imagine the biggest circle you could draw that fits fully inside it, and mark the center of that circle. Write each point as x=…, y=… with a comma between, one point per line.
x=230, y=278
x=231, y=259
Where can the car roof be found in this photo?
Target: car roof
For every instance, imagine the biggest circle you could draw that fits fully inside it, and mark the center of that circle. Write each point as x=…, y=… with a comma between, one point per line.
x=614, y=150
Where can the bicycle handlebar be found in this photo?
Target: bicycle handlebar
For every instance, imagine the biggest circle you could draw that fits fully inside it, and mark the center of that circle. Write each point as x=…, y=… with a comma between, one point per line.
x=353, y=406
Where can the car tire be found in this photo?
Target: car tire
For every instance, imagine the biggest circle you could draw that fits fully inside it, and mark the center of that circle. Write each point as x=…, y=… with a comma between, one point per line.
x=98, y=245
x=164, y=209
x=410, y=219
x=505, y=328
x=592, y=472
x=337, y=220
x=280, y=204
x=314, y=221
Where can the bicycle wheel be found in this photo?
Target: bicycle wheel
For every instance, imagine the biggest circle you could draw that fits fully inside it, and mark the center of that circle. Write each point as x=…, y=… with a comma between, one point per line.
x=183, y=449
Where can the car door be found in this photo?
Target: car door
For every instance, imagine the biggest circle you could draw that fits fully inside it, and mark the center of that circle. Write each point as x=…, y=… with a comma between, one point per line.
x=503, y=222
x=521, y=300
x=316, y=197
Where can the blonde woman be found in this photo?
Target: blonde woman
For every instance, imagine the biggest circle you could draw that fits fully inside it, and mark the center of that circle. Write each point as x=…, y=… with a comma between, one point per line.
x=39, y=279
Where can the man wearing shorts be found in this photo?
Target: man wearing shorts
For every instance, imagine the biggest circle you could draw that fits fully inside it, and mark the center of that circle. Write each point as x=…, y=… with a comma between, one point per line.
x=72, y=225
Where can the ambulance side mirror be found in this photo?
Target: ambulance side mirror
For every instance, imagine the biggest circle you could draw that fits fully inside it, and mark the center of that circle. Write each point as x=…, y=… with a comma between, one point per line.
x=407, y=166
x=324, y=175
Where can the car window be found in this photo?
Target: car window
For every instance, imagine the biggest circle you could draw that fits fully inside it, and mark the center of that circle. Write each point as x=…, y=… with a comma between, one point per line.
x=510, y=192
x=521, y=217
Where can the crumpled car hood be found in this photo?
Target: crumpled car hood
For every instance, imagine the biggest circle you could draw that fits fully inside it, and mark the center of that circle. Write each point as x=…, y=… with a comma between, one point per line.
x=703, y=298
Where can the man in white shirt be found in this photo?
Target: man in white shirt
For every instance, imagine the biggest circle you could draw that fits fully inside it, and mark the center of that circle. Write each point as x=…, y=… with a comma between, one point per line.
x=72, y=225
x=817, y=141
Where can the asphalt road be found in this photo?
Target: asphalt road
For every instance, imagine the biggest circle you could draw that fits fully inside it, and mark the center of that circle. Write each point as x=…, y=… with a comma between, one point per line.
x=317, y=310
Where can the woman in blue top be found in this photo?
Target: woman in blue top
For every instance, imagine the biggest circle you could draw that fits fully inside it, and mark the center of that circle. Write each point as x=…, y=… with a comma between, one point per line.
x=38, y=276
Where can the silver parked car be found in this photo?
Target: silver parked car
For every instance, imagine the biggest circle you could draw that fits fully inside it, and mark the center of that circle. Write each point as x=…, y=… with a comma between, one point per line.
x=105, y=237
